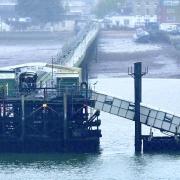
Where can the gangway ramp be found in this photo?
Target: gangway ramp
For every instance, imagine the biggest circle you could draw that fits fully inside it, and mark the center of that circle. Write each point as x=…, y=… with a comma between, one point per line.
x=152, y=117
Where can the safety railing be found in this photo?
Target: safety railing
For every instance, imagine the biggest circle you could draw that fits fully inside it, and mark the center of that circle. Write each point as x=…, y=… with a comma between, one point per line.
x=152, y=117
x=68, y=50
x=45, y=92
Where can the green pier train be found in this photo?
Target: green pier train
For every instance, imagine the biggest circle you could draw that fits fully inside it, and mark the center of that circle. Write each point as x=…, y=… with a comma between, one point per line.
x=44, y=108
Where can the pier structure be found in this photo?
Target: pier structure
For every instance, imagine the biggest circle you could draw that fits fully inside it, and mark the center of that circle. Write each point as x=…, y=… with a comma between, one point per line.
x=73, y=52
x=78, y=52
x=37, y=115
x=44, y=106
x=154, y=118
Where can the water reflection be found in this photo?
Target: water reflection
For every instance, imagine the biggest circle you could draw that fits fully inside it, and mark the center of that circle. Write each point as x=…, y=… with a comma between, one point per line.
x=47, y=165
x=26, y=159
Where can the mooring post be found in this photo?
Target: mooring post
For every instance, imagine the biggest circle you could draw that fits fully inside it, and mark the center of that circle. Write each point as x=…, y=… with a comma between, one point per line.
x=138, y=94
x=137, y=75
x=23, y=118
x=65, y=119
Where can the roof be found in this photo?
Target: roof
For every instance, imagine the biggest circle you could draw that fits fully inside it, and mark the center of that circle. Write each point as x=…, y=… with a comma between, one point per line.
x=8, y=2
x=7, y=76
x=59, y=71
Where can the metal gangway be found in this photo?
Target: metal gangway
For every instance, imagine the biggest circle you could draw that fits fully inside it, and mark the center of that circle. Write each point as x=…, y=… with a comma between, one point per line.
x=152, y=117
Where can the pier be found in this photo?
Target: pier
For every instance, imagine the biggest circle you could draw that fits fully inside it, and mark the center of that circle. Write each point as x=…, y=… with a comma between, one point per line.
x=54, y=118
x=47, y=106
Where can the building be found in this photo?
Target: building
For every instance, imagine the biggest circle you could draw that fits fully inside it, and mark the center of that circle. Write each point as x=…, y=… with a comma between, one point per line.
x=130, y=22
x=7, y=8
x=79, y=7
x=145, y=7
x=125, y=7
x=168, y=11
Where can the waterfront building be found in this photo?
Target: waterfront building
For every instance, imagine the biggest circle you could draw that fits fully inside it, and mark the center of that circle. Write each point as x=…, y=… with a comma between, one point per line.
x=145, y=7
x=7, y=8
x=168, y=11
x=129, y=22
x=78, y=7
x=125, y=7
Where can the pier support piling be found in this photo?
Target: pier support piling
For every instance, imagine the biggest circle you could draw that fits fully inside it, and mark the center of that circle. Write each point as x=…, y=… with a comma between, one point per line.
x=23, y=118
x=137, y=75
x=138, y=94
x=65, y=127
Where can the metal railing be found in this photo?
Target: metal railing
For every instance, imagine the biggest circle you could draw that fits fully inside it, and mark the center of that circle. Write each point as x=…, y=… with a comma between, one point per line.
x=68, y=49
x=152, y=117
x=46, y=92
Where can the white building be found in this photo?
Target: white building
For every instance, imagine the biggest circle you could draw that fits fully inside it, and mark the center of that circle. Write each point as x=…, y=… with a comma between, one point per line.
x=8, y=2
x=79, y=7
x=128, y=21
x=4, y=27
x=7, y=8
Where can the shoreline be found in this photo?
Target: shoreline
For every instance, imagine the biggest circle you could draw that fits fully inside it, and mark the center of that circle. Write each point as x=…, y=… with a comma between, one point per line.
x=163, y=62
x=116, y=52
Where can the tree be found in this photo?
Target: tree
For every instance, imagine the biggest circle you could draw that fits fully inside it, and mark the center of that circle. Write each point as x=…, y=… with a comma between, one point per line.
x=177, y=13
x=105, y=7
x=40, y=10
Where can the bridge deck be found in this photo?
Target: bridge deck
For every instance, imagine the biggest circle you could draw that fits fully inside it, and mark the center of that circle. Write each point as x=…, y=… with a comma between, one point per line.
x=74, y=51
x=149, y=116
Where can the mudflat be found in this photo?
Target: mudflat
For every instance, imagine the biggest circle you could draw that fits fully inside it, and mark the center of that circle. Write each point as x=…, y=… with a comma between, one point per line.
x=116, y=51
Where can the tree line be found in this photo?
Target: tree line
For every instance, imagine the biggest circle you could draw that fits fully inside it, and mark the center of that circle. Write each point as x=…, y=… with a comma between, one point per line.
x=40, y=10
x=105, y=7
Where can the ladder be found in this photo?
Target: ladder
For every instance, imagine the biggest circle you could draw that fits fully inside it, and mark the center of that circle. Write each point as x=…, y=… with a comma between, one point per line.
x=152, y=117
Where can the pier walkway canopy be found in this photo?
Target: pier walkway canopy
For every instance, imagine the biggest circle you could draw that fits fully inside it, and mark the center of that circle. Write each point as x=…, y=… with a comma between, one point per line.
x=148, y=116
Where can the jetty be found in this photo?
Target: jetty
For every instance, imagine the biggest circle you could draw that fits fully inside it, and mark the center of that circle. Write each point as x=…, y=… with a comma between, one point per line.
x=47, y=107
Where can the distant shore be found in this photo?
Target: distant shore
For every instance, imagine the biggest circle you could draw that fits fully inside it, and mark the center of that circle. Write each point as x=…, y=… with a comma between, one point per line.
x=116, y=54
x=40, y=35
x=25, y=47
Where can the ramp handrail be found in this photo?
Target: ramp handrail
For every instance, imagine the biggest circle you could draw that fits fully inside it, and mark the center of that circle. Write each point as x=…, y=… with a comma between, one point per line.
x=152, y=117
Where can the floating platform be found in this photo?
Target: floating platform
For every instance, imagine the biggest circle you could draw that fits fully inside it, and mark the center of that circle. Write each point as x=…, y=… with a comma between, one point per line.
x=161, y=144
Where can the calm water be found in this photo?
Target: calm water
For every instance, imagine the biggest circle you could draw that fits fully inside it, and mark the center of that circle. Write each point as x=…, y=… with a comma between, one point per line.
x=30, y=48
x=116, y=160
